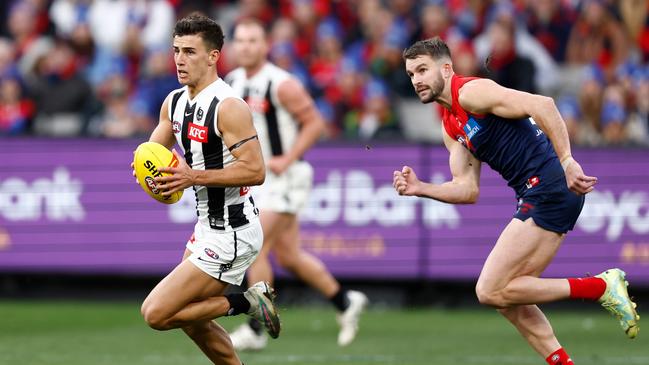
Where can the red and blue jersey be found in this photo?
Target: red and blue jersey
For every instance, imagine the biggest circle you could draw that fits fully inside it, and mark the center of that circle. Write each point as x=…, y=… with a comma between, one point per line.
x=516, y=148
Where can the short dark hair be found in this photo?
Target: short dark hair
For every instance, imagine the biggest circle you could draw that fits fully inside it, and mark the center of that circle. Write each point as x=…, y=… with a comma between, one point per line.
x=206, y=28
x=433, y=47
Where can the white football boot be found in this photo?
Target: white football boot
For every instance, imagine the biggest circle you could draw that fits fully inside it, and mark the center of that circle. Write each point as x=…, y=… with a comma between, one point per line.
x=244, y=338
x=348, y=320
x=262, y=307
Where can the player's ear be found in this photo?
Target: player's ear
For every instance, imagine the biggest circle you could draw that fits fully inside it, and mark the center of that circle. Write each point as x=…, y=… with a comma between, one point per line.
x=447, y=70
x=214, y=57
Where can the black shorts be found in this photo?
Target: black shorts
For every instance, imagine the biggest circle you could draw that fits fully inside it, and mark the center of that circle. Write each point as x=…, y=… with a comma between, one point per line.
x=553, y=206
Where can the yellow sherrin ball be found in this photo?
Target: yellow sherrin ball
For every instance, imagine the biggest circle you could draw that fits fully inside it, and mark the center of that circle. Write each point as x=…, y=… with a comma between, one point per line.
x=149, y=157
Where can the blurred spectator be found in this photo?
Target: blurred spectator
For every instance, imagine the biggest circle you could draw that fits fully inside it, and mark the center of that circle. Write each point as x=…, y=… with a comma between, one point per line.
x=258, y=9
x=436, y=21
x=380, y=50
x=143, y=23
x=283, y=55
x=469, y=15
x=7, y=55
x=326, y=64
x=306, y=22
x=15, y=110
x=156, y=81
x=405, y=17
x=347, y=53
x=23, y=27
x=597, y=37
x=505, y=65
x=614, y=116
x=590, y=102
x=464, y=59
x=568, y=107
x=62, y=96
x=124, y=30
x=550, y=21
x=119, y=119
x=67, y=15
x=376, y=120
x=546, y=73
x=639, y=122
x=635, y=18
x=70, y=18
x=347, y=97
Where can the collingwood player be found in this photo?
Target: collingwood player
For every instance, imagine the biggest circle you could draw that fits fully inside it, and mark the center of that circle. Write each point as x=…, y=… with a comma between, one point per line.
x=288, y=125
x=222, y=158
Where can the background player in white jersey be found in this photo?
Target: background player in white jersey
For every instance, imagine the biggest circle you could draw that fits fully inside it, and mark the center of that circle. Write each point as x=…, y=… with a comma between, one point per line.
x=222, y=158
x=288, y=125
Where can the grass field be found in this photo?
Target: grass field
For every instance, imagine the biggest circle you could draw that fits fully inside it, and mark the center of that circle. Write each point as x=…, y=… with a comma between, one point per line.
x=91, y=333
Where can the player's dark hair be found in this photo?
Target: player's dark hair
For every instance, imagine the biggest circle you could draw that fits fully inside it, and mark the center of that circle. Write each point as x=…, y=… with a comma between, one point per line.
x=206, y=28
x=433, y=47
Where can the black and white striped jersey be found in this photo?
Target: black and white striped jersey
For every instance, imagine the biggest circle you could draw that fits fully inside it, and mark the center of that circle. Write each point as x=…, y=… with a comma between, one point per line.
x=276, y=127
x=194, y=124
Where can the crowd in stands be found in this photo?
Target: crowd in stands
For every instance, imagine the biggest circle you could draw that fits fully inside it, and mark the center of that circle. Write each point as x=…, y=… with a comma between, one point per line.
x=103, y=67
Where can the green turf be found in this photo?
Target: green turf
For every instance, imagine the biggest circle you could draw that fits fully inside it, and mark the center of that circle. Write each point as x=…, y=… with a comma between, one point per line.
x=64, y=333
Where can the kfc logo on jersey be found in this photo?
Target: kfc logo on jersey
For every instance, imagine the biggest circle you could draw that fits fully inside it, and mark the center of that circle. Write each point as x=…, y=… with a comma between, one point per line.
x=197, y=133
x=175, y=126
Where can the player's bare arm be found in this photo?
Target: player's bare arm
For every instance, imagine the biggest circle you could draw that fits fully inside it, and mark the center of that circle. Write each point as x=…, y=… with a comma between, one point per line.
x=484, y=96
x=464, y=188
x=300, y=105
x=235, y=125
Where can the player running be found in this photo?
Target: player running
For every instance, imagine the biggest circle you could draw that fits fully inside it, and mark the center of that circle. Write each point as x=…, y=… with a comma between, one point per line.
x=288, y=124
x=222, y=158
x=524, y=138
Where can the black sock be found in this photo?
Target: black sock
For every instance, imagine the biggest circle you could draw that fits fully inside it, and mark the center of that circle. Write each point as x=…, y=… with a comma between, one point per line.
x=339, y=300
x=256, y=326
x=238, y=304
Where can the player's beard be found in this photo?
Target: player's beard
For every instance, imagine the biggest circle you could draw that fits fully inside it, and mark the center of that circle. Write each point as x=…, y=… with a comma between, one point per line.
x=435, y=90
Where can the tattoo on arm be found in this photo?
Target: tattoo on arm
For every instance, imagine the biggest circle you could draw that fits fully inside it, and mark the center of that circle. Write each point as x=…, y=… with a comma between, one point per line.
x=240, y=143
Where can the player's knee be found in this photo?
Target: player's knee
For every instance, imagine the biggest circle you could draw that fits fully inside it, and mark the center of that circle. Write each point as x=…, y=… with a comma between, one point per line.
x=489, y=297
x=154, y=317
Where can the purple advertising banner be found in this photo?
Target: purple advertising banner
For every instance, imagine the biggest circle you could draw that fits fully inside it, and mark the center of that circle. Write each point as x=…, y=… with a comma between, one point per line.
x=72, y=206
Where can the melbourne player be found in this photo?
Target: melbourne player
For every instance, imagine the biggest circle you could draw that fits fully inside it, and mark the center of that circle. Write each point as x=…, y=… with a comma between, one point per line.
x=524, y=138
x=222, y=158
x=288, y=125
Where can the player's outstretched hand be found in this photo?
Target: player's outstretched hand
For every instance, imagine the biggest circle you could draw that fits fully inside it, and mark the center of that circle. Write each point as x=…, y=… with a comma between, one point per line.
x=406, y=181
x=180, y=178
x=577, y=181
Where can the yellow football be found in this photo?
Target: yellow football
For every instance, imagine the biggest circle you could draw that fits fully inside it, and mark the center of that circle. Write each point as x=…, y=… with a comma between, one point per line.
x=149, y=157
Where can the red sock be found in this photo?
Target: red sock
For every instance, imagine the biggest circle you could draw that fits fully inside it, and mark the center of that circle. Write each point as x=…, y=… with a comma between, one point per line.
x=559, y=357
x=586, y=288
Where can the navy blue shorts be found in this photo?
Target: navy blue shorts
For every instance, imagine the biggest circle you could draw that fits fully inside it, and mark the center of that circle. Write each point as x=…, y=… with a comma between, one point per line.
x=552, y=205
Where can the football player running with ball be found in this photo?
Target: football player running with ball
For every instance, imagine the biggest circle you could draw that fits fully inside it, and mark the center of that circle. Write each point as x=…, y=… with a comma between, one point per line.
x=288, y=124
x=524, y=138
x=222, y=158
